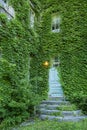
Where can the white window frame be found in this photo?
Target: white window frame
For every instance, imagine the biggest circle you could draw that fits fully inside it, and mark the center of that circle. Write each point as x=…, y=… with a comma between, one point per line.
x=56, y=61
x=32, y=18
x=6, y=9
x=55, y=27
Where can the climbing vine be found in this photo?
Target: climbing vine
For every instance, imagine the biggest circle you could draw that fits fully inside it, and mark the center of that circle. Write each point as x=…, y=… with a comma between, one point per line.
x=20, y=88
x=69, y=45
x=23, y=50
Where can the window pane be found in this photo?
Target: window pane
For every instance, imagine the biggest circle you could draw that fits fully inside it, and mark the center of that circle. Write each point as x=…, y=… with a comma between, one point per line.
x=53, y=27
x=57, y=26
x=32, y=15
x=55, y=23
x=56, y=59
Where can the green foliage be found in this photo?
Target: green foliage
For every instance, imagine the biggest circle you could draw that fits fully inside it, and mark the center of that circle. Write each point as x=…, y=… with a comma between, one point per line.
x=55, y=125
x=70, y=107
x=69, y=44
x=17, y=42
x=80, y=99
x=23, y=77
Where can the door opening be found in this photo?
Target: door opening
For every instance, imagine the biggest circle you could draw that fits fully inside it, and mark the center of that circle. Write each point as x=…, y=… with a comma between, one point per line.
x=55, y=88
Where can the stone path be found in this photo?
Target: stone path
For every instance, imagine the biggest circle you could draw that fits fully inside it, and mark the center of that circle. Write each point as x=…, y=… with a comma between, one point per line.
x=50, y=109
x=27, y=123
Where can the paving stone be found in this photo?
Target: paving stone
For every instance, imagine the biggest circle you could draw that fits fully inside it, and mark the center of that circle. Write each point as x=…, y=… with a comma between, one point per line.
x=49, y=110
x=53, y=102
x=27, y=123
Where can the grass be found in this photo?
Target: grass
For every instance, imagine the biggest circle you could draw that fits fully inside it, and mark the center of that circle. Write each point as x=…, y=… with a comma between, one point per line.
x=71, y=107
x=55, y=125
x=57, y=113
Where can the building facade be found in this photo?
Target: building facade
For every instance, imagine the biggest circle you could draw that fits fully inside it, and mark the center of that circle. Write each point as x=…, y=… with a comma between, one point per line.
x=7, y=9
x=51, y=31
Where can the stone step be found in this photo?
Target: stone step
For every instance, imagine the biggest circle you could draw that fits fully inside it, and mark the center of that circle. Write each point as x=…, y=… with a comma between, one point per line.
x=59, y=118
x=73, y=118
x=56, y=88
x=49, y=107
x=57, y=107
x=72, y=113
x=43, y=117
x=56, y=94
x=49, y=112
x=56, y=98
x=52, y=86
x=60, y=113
x=55, y=83
x=50, y=102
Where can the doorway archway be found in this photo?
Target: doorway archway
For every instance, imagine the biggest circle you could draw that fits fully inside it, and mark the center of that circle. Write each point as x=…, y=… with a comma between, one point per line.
x=55, y=88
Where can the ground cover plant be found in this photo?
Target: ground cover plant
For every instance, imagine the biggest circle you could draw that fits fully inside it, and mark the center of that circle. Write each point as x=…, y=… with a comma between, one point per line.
x=55, y=125
x=23, y=50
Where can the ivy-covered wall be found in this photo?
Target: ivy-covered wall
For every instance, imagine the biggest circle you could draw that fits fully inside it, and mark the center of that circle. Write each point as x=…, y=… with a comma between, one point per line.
x=69, y=45
x=23, y=77
x=21, y=64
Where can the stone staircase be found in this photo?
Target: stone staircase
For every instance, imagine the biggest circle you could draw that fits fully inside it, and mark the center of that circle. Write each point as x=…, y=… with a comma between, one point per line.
x=59, y=109
x=56, y=107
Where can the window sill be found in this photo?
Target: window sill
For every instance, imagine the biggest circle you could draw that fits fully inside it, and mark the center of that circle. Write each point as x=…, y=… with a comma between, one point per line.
x=56, y=31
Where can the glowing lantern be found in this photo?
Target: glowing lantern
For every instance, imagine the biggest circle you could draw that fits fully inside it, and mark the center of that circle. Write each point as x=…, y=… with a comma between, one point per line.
x=46, y=63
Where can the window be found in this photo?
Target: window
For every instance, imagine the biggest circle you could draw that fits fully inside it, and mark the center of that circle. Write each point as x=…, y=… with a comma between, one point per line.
x=5, y=1
x=11, y=12
x=6, y=9
x=1, y=1
x=32, y=17
x=55, y=24
x=56, y=62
